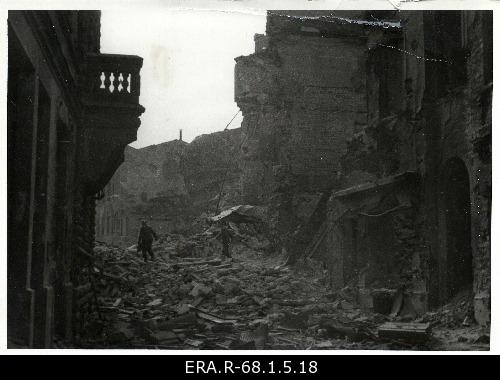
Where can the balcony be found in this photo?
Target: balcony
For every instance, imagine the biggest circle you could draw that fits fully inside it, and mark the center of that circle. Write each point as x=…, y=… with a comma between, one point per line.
x=110, y=87
x=112, y=80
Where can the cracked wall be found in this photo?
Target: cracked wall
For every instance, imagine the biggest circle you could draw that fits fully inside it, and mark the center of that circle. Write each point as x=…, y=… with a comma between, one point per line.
x=302, y=94
x=334, y=103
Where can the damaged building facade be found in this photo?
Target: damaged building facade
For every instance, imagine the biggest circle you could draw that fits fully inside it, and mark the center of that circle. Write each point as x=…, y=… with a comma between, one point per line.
x=170, y=185
x=369, y=134
x=148, y=185
x=71, y=112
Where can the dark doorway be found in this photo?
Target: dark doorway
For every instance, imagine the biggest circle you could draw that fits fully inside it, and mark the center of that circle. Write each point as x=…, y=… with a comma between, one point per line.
x=456, y=201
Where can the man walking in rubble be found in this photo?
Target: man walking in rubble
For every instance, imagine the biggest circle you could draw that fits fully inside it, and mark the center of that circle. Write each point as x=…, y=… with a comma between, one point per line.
x=225, y=237
x=145, y=243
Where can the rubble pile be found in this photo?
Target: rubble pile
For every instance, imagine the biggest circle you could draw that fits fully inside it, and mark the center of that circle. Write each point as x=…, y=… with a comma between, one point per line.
x=458, y=312
x=454, y=325
x=247, y=302
x=190, y=297
x=203, y=302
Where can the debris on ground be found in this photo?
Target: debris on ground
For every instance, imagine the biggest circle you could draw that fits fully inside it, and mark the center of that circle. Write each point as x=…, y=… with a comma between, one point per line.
x=406, y=331
x=191, y=297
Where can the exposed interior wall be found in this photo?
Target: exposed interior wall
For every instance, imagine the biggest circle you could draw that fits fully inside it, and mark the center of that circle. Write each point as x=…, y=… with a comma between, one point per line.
x=435, y=128
x=338, y=107
x=456, y=119
x=308, y=101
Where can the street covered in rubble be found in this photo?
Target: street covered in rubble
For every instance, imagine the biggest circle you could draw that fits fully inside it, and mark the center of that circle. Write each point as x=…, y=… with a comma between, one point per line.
x=191, y=179
x=190, y=297
x=354, y=220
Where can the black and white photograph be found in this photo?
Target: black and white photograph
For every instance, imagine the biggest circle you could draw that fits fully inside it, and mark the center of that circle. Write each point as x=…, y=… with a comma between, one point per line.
x=230, y=176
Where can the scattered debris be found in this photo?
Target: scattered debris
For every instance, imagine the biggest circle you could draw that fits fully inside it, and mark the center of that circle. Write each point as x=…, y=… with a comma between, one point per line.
x=195, y=299
x=406, y=332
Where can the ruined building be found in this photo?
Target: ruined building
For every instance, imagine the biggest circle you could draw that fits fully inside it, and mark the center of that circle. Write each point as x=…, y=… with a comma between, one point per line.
x=169, y=184
x=71, y=112
x=369, y=132
x=148, y=185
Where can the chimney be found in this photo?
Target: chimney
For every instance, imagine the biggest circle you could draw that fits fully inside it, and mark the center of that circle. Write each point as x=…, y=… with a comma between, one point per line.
x=180, y=134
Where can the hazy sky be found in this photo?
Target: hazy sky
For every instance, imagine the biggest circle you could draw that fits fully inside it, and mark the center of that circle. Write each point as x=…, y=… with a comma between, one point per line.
x=187, y=80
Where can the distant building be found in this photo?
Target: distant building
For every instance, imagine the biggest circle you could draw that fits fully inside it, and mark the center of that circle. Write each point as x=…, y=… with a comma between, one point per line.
x=378, y=123
x=170, y=185
x=71, y=112
x=148, y=186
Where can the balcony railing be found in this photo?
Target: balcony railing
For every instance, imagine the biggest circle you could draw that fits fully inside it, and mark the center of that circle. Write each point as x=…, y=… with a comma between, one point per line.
x=112, y=79
x=110, y=85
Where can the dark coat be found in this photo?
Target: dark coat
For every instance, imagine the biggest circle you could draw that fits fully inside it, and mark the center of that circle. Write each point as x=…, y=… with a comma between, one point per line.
x=146, y=237
x=225, y=236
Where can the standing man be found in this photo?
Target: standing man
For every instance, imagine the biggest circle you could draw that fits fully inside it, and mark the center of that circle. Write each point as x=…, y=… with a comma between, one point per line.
x=145, y=243
x=225, y=236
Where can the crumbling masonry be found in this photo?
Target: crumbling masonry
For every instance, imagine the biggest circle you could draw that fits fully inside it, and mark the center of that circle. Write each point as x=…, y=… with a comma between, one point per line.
x=369, y=133
x=169, y=184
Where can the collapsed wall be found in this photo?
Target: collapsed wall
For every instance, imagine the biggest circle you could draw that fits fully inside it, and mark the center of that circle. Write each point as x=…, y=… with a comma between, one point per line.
x=211, y=172
x=170, y=185
x=302, y=96
x=369, y=134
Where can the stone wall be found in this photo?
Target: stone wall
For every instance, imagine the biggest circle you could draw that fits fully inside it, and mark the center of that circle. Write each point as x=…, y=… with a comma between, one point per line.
x=388, y=116
x=66, y=138
x=303, y=95
x=169, y=184
x=210, y=168
x=429, y=133
x=301, y=100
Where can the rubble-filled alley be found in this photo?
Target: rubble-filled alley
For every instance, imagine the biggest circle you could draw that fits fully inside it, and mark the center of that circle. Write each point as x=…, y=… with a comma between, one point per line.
x=192, y=297
x=350, y=208
x=380, y=182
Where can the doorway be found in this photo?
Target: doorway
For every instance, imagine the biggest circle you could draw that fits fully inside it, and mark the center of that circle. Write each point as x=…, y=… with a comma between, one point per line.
x=457, y=228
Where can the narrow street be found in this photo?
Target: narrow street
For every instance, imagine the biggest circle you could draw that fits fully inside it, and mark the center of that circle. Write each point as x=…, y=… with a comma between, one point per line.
x=249, y=180
x=191, y=298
